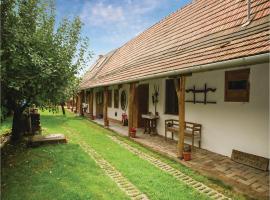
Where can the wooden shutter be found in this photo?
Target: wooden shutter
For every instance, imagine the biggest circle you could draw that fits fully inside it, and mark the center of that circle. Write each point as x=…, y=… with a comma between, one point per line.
x=171, y=101
x=237, y=85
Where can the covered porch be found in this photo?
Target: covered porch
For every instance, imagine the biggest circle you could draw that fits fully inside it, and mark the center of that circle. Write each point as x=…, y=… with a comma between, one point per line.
x=241, y=177
x=217, y=131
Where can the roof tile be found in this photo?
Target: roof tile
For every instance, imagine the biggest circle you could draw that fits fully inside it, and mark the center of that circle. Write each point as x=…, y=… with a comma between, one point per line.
x=203, y=32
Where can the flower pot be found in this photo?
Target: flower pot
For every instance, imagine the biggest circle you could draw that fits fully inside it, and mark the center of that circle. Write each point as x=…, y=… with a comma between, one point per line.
x=187, y=156
x=133, y=132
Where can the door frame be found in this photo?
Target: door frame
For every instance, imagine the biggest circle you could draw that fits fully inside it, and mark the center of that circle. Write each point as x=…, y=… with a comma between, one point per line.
x=138, y=112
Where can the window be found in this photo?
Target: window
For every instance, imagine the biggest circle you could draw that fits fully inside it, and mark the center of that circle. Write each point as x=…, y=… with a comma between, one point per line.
x=123, y=100
x=87, y=97
x=237, y=85
x=171, y=101
x=99, y=98
x=116, y=98
x=109, y=98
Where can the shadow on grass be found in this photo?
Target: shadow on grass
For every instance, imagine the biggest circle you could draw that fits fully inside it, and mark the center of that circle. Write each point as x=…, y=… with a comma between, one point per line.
x=21, y=151
x=220, y=183
x=54, y=168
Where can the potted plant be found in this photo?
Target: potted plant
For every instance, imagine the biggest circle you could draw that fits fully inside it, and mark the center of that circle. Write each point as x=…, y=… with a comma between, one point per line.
x=124, y=119
x=133, y=132
x=187, y=152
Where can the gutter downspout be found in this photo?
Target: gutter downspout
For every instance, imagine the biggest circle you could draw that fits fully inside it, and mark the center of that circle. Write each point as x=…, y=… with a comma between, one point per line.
x=244, y=61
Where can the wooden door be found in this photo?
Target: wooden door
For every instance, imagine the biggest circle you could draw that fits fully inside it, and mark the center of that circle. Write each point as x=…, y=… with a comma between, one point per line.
x=142, y=97
x=99, y=104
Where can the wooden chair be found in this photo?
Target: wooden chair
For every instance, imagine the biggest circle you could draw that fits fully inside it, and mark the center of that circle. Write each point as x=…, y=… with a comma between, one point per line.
x=192, y=130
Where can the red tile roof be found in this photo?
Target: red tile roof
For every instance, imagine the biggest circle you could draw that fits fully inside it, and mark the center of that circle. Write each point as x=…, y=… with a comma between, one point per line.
x=203, y=32
x=95, y=68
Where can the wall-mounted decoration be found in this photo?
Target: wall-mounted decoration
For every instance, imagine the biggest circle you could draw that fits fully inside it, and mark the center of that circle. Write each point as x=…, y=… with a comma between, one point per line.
x=204, y=91
x=155, y=97
x=123, y=100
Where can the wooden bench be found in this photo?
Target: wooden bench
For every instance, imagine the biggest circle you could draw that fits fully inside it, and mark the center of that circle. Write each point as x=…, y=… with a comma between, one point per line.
x=192, y=130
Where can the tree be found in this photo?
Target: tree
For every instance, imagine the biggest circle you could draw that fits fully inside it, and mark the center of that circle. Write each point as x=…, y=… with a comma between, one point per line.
x=38, y=60
x=69, y=92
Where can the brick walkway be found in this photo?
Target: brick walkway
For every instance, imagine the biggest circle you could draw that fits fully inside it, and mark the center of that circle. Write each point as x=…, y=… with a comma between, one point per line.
x=243, y=178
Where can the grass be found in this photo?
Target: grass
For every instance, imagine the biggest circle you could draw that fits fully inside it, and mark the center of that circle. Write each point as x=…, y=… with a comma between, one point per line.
x=6, y=125
x=67, y=172
x=55, y=172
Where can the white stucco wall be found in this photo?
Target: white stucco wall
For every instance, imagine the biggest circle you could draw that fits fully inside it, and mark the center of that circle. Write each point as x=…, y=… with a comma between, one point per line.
x=225, y=125
x=112, y=110
x=232, y=125
x=116, y=113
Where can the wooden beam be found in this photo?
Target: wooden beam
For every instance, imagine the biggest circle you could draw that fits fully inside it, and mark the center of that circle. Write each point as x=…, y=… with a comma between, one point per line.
x=91, y=97
x=105, y=107
x=79, y=108
x=135, y=109
x=76, y=103
x=131, y=106
x=179, y=75
x=73, y=102
x=181, y=115
x=81, y=100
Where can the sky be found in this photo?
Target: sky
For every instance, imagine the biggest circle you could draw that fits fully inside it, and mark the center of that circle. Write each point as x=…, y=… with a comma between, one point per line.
x=111, y=23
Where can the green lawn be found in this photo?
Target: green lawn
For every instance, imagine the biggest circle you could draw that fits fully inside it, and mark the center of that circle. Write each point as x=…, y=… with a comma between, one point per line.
x=5, y=126
x=67, y=172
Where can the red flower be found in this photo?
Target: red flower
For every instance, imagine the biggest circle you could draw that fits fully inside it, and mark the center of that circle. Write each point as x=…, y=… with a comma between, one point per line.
x=132, y=129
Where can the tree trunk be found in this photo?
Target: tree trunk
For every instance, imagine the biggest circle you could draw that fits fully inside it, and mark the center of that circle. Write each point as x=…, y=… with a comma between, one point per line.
x=18, y=126
x=63, y=108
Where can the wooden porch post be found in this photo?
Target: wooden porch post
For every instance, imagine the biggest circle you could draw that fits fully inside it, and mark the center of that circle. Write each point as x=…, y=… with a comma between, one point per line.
x=131, y=107
x=91, y=104
x=77, y=103
x=79, y=108
x=81, y=100
x=72, y=105
x=181, y=115
x=105, y=107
